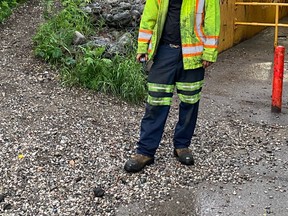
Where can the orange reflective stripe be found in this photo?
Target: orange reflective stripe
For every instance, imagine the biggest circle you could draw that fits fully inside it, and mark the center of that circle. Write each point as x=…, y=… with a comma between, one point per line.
x=192, y=45
x=192, y=54
x=143, y=40
x=211, y=36
x=146, y=31
x=197, y=3
x=210, y=46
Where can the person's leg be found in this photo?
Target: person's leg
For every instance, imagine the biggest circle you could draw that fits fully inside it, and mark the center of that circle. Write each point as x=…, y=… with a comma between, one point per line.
x=161, y=80
x=185, y=127
x=189, y=84
x=152, y=127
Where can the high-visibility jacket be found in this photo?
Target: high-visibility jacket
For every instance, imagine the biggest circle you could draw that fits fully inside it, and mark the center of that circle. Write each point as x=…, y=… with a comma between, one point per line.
x=199, y=27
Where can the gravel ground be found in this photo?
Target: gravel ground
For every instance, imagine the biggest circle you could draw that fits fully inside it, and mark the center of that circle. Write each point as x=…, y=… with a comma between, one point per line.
x=61, y=148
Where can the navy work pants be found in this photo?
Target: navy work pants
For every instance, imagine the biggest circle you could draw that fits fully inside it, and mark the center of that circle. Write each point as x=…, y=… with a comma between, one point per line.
x=168, y=69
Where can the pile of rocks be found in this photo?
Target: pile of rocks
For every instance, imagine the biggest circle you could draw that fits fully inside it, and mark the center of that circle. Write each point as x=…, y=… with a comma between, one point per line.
x=118, y=14
x=120, y=20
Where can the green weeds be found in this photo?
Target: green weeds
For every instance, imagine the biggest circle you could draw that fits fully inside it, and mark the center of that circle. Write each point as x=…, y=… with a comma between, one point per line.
x=120, y=76
x=6, y=8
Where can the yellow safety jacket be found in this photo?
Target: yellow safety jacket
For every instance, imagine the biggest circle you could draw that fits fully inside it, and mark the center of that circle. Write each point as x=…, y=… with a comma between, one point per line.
x=199, y=27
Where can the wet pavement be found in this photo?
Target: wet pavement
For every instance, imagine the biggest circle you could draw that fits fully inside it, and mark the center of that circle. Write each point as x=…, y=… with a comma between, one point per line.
x=241, y=82
x=242, y=78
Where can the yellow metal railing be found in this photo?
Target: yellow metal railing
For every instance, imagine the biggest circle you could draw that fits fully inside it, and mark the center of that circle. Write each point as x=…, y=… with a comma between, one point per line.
x=276, y=24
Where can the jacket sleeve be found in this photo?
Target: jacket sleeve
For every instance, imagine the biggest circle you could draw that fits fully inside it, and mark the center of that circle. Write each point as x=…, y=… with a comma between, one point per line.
x=211, y=30
x=147, y=24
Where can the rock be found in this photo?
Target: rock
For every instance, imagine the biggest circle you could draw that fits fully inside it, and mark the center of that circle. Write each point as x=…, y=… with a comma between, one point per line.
x=143, y=180
x=121, y=46
x=79, y=38
x=72, y=163
x=112, y=1
x=124, y=6
x=125, y=39
x=135, y=14
x=94, y=8
x=78, y=179
x=118, y=14
x=99, y=42
x=7, y=206
x=114, y=49
x=2, y=197
x=122, y=19
x=268, y=209
x=116, y=34
x=98, y=192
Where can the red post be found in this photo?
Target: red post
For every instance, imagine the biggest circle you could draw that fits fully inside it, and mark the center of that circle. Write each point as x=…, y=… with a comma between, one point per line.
x=278, y=79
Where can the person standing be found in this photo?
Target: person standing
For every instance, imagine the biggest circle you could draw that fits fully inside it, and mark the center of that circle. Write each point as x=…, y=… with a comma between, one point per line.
x=180, y=37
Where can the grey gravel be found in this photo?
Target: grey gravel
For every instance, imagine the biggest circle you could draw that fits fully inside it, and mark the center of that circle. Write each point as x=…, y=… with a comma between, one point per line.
x=57, y=143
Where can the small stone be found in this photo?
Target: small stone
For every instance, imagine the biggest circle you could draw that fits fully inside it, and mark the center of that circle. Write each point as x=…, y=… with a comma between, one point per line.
x=98, y=192
x=57, y=154
x=79, y=38
x=2, y=197
x=268, y=209
x=99, y=42
x=143, y=180
x=7, y=206
x=269, y=151
x=136, y=14
x=54, y=210
x=72, y=163
x=78, y=179
x=40, y=169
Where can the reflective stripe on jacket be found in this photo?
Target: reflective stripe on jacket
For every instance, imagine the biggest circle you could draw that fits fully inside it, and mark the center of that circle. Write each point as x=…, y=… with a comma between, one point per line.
x=199, y=26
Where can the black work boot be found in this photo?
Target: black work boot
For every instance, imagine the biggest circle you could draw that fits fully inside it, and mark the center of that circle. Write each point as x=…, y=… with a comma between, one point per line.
x=137, y=162
x=184, y=155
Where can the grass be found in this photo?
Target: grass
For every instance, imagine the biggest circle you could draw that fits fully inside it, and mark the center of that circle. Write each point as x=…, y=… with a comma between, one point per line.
x=120, y=76
x=6, y=8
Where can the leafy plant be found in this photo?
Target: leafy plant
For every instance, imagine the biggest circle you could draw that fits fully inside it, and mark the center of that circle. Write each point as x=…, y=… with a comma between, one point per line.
x=6, y=8
x=53, y=40
x=84, y=65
